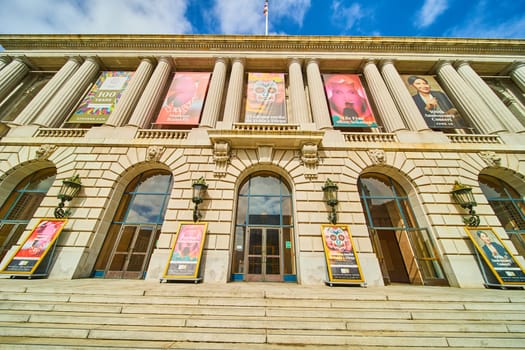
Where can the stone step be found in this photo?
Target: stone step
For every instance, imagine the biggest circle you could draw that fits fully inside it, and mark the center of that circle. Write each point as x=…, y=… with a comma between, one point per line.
x=107, y=314
x=287, y=322
x=506, y=305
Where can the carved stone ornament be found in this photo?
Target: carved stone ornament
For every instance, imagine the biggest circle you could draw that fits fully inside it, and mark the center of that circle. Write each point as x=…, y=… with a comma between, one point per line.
x=377, y=156
x=221, y=157
x=310, y=159
x=491, y=158
x=45, y=151
x=154, y=153
x=265, y=154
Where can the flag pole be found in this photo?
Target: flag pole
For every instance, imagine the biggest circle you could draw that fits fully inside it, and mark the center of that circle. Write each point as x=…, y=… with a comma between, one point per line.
x=266, y=15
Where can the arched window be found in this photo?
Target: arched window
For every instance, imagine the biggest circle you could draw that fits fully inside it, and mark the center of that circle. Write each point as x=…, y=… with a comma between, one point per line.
x=509, y=207
x=21, y=205
x=264, y=246
x=405, y=251
x=136, y=227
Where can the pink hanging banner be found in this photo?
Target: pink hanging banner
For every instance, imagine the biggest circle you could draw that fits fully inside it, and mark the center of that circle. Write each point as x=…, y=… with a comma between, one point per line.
x=348, y=103
x=185, y=99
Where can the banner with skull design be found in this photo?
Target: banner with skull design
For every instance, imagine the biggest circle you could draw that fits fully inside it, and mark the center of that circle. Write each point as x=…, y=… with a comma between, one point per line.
x=184, y=100
x=265, y=99
x=341, y=257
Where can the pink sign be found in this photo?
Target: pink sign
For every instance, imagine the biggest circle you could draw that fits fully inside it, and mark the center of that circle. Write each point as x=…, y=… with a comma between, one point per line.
x=185, y=99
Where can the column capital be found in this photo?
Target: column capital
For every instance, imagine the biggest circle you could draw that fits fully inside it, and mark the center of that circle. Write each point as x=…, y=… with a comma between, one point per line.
x=149, y=59
x=384, y=62
x=166, y=59
x=312, y=60
x=241, y=60
x=512, y=67
x=461, y=63
x=5, y=59
x=293, y=60
x=77, y=59
x=366, y=62
x=440, y=64
x=222, y=59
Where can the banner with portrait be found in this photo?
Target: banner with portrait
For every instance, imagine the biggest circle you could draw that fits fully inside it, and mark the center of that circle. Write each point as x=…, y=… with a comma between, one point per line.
x=499, y=259
x=347, y=101
x=185, y=99
x=433, y=103
x=34, y=249
x=102, y=98
x=265, y=99
x=341, y=257
x=186, y=252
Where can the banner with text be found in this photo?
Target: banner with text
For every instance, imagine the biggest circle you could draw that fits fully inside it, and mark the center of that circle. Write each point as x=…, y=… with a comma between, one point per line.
x=186, y=253
x=433, y=104
x=102, y=98
x=34, y=249
x=265, y=99
x=348, y=102
x=499, y=259
x=185, y=99
x=341, y=257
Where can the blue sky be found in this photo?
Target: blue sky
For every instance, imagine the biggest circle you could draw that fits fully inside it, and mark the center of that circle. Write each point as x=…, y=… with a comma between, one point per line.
x=429, y=18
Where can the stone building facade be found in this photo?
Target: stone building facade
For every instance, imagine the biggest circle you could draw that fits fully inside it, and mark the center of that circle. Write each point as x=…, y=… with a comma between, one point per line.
x=394, y=178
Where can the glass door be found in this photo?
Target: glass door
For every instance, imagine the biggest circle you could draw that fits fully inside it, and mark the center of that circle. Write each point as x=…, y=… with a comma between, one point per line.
x=263, y=256
x=131, y=252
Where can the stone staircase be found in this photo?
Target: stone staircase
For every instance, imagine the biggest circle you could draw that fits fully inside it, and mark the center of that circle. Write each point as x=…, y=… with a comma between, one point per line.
x=124, y=314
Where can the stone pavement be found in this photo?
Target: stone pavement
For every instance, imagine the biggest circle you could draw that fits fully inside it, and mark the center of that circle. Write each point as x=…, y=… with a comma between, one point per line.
x=126, y=314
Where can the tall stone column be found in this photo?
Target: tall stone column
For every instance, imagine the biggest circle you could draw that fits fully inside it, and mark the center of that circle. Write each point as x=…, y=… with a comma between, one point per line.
x=297, y=94
x=385, y=104
x=468, y=100
x=212, y=107
x=402, y=97
x=48, y=91
x=11, y=75
x=320, y=111
x=232, y=108
x=130, y=96
x=68, y=95
x=517, y=74
x=4, y=60
x=497, y=107
x=148, y=101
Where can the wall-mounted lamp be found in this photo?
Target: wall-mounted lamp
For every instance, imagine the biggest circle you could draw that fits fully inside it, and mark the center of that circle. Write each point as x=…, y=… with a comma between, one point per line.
x=463, y=196
x=330, y=195
x=68, y=191
x=199, y=187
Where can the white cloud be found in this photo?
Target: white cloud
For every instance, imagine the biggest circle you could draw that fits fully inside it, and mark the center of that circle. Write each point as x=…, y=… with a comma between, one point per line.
x=481, y=24
x=346, y=17
x=246, y=17
x=94, y=17
x=430, y=11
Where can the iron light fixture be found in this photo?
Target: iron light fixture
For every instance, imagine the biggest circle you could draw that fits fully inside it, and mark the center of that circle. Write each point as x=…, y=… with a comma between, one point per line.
x=68, y=191
x=330, y=194
x=199, y=187
x=463, y=196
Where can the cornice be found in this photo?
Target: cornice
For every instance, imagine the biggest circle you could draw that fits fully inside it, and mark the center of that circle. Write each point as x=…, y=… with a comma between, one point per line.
x=264, y=43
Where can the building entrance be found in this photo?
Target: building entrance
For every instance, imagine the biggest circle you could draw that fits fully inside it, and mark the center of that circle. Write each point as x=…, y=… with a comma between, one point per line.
x=263, y=256
x=405, y=251
x=264, y=245
x=131, y=252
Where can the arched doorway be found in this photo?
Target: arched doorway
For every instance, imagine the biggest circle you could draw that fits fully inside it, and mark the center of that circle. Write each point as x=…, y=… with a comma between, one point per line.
x=264, y=245
x=21, y=205
x=406, y=252
x=509, y=207
x=136, y=227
